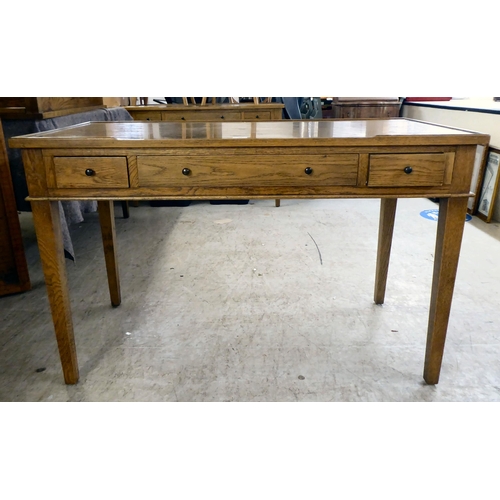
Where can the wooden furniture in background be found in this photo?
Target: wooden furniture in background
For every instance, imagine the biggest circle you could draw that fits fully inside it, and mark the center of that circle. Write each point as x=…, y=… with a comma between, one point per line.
x=256, y=100
x=364, y=108
x=13, y=268
x=386, y=159
x=207, y=113
x=46, y=107
x=114, y=102
x=40, y=108
x=14, y=275
x=232, y=100
x=192, y=100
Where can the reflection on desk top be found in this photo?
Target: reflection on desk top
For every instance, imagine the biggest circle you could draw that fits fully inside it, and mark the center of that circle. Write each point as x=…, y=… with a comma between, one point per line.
x=233, y=134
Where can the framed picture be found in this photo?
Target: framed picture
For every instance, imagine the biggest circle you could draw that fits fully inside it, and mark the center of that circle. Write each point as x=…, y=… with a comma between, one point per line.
x=489, y=188
x=477, y=178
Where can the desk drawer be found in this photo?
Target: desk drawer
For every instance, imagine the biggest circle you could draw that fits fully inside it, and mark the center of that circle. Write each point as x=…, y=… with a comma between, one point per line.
x=419, y=169
x=251, y=170
x=201, y=116
x=91, y=172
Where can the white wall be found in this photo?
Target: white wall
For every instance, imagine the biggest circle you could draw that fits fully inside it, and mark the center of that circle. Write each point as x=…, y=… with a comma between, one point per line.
x=479, y=122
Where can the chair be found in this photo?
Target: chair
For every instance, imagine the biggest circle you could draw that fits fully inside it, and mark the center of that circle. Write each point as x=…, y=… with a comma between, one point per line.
x=292, y=108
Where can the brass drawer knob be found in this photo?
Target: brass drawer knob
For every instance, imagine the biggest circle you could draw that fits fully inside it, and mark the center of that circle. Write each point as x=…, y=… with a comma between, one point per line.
x=89, y=172
x=408, y=170
x=308, y=170
x=186, y=171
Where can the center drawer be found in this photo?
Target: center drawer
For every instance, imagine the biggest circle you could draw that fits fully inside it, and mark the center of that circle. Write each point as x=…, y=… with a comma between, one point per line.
x=251, y=170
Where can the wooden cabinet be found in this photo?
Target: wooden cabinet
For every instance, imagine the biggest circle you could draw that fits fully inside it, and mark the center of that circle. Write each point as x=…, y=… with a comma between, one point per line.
x=49, y=107
x=365, y=108
x=14, y=275
x=46, y=107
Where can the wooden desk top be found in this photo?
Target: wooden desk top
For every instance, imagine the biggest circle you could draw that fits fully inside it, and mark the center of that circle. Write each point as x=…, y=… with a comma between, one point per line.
x=374, y=132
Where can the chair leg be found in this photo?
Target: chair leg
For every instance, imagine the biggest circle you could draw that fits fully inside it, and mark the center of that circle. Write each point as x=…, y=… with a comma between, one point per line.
x=277, y=202
x=126, y=213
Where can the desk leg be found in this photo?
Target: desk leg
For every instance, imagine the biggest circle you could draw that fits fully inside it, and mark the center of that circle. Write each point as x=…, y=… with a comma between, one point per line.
x=107, y=218
x=451, y=221
x=47, y=223
x=386, y=229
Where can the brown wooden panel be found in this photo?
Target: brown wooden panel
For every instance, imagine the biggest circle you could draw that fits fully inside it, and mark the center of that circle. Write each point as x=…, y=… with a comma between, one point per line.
x=59, y=103
x=373, y=109
x=132, y=171
x=71, y=172
x=14, y=275
x=256, y=115
x=146, y=115
x=46, y=107
x=335, y=170
x=407, y=170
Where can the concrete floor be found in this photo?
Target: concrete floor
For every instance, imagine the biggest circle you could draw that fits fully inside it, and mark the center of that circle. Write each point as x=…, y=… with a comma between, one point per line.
x=233, y=303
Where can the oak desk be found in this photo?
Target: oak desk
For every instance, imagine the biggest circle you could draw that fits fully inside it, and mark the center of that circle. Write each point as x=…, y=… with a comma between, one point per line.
x=386, y=159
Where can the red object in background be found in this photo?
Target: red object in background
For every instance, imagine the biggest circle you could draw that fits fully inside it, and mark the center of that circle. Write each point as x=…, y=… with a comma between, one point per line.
x=428, y=98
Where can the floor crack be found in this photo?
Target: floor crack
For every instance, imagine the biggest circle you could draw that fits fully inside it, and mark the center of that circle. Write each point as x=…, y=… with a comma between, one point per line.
x=320, y=258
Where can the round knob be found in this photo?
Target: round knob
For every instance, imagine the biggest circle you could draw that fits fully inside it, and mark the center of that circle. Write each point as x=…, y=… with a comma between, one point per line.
x=89, y=172
x=257, y=116
x=186, y=171
x=308, y=170
x=182, y=118
x=408, y=170
x=222, y=117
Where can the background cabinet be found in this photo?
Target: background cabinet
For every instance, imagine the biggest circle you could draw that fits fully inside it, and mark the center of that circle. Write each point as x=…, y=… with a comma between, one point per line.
x=14, y=275
x=361, y=107
x=207, y=113
x=50, y=107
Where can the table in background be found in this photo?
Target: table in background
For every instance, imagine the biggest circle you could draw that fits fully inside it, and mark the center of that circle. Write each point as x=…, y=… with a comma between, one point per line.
x=208, y=112
x=361, y=108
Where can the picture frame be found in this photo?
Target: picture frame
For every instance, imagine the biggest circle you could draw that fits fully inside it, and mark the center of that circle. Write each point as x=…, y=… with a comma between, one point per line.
x=477, y=178
x=489, y=189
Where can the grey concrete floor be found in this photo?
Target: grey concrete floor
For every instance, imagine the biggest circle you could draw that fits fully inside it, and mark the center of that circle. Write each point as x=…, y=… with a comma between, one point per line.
x=257, y=303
